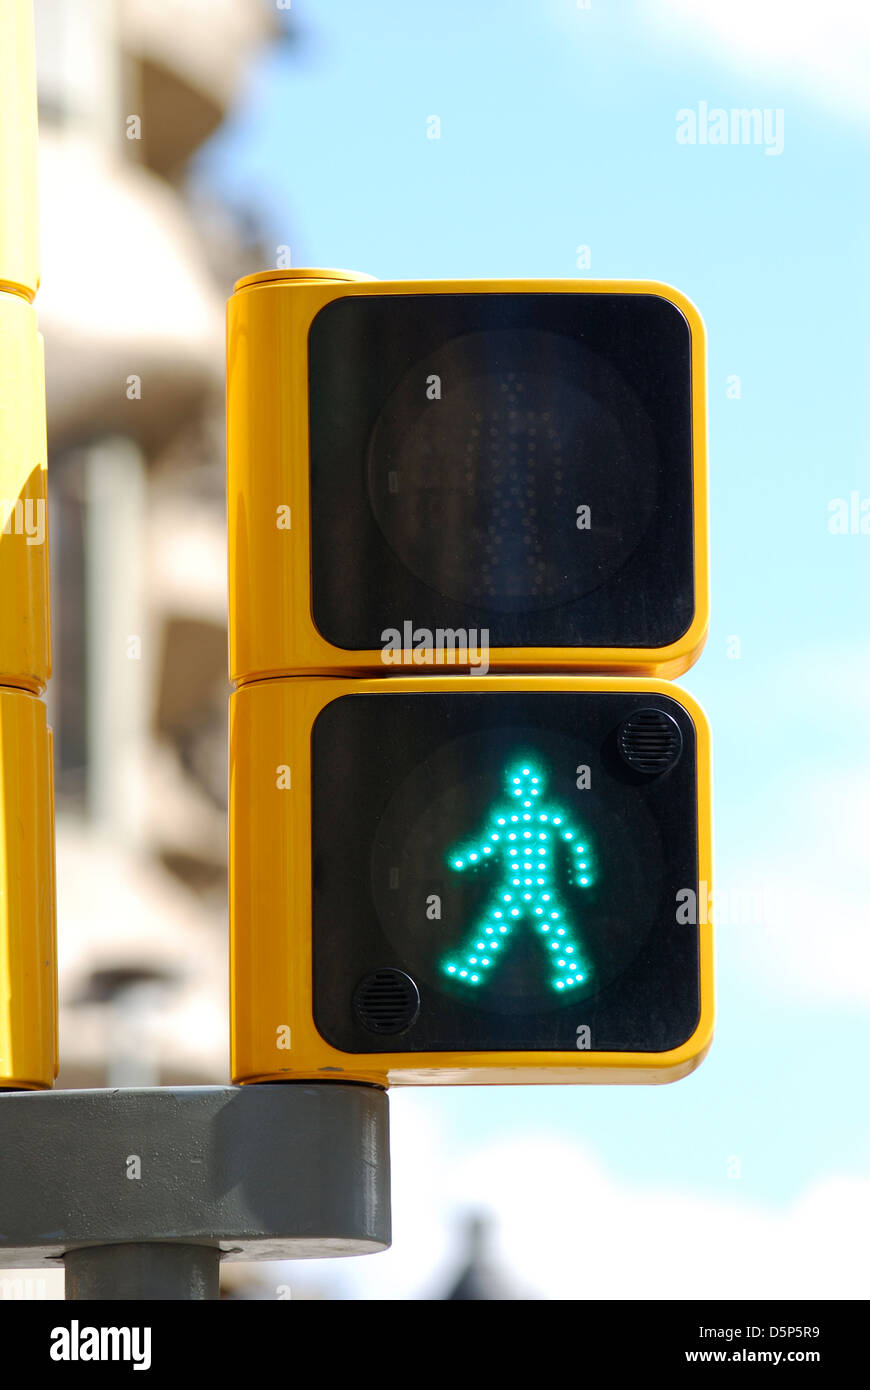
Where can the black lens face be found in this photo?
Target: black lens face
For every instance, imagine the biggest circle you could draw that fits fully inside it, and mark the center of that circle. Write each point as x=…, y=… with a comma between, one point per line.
x=481, y=495
x=521, y=463
x=537, y=884
x=499, y=851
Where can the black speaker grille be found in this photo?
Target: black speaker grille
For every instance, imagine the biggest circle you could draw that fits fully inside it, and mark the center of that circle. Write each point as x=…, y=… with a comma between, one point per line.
x=387, y=1001
x=650, y=742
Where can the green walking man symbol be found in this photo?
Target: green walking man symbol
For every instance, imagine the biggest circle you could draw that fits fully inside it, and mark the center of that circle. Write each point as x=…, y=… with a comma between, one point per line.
x=526, y=837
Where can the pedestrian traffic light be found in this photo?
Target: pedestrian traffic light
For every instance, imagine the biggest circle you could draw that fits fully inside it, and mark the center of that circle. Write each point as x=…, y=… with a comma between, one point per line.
x=24, y=621
x=459, y=878
x=28, y=972
x=480, y=474
x=19, y=201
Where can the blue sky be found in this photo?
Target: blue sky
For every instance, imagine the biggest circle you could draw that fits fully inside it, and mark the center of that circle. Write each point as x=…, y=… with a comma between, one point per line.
x=559, y=129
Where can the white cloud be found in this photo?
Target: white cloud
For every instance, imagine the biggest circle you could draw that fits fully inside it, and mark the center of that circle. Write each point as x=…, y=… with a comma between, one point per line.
x=566, y=1229
x=793, y=913
x=822, y=49
x=578, y=1233
x=797, y=916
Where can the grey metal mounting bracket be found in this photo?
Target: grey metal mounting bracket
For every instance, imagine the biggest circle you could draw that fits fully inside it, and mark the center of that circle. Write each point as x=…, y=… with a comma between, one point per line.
x=143, y=1192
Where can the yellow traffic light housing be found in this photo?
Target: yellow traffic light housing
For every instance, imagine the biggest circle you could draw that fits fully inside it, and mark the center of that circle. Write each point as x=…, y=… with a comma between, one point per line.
x=469, y=879
x=19, y=201
x=28, y=977
x=28, y=971
x=492, y=474
x=24, y=620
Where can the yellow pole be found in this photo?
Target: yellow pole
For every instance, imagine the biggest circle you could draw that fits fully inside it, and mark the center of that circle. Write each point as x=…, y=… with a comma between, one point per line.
x=28, y=964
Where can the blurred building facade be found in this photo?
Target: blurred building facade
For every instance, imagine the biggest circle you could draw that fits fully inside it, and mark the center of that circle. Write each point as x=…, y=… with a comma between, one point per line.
x=135, y=272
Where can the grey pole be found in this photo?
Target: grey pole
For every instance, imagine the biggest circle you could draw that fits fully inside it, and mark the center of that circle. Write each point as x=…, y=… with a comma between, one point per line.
x=141, y=1193
x=144, y=1271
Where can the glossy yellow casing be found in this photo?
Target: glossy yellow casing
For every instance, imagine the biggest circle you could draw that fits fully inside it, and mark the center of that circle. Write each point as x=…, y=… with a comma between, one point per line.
x=25, y=658
x=19, y=209
x=28, y=955
x=272, y=631
x=271, y=900
x=28, y=971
